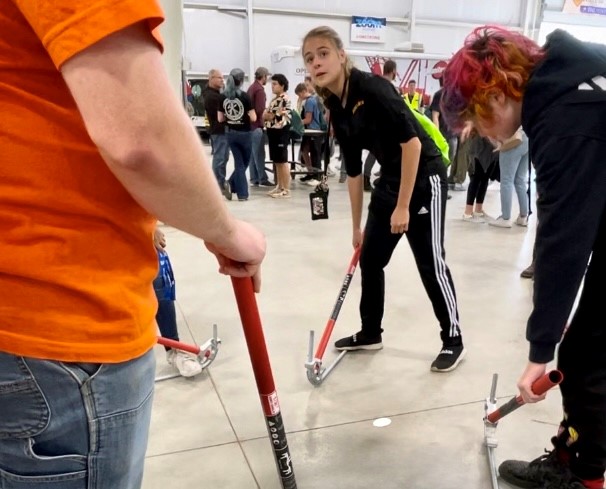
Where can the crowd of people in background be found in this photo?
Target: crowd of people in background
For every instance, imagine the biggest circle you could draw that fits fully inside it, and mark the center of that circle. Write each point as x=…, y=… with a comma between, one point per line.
x=474, y=160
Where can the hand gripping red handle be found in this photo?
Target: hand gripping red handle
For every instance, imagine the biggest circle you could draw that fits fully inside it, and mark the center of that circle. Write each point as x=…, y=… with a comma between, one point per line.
x=540, y=386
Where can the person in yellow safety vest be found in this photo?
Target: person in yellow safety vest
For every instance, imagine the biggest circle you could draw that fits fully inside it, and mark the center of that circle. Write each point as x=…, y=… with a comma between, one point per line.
x=412, y=97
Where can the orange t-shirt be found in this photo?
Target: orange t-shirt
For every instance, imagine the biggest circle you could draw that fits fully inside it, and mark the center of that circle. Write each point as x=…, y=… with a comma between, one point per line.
x=76, y=251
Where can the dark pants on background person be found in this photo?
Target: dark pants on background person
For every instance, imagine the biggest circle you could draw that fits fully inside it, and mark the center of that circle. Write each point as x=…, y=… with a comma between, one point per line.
x=459, y=156
x=220, y=156
x=426, y=239
x=313, y=146
x=240, y=144
x=478, y=184
x=258, y=174
x=369, y=162
x=343, y=169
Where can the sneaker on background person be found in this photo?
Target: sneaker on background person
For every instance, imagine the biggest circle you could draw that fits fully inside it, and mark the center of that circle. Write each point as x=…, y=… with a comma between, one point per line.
x=359, y=341
x=475, y=218
x=281, y=194
x=449, y=358
x=483, y=215
x=186, y=363
x=528, y=272
x=499, y=222
x=227, y=192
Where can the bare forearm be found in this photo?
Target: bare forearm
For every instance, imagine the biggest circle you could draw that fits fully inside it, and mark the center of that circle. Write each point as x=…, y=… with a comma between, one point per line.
x=435, y=117
x=171, y=178
x=145, y=137
x=356, y=199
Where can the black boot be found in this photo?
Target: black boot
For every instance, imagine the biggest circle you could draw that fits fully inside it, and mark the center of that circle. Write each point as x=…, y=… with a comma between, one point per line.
x=367, y=185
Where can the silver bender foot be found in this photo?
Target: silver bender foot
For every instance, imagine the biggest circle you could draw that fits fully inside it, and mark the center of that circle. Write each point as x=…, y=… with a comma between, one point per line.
x=315, y=372
x=490, y=432
x=206, y=356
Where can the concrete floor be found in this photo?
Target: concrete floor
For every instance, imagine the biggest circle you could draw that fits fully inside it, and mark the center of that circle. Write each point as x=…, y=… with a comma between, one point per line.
x=209, y=432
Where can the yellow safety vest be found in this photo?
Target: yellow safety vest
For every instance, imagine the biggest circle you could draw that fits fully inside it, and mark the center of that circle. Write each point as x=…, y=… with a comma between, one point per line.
x=414, y=104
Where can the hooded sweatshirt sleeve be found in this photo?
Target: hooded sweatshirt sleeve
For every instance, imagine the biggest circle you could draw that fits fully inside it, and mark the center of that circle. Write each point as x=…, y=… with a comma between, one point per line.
x=564, y=116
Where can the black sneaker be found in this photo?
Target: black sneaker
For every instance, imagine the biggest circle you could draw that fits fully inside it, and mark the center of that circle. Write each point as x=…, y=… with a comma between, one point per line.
x=528, y=272
x=227, y=190
x=448, y=358
x=267, y=183
x=546, y=472
x=359, y=342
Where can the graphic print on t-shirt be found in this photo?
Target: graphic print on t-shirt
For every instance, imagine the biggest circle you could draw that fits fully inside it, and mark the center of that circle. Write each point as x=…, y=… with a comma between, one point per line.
x=234, y=110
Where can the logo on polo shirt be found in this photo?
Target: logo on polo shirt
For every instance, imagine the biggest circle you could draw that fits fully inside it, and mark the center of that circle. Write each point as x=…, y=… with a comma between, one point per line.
x=360, y=103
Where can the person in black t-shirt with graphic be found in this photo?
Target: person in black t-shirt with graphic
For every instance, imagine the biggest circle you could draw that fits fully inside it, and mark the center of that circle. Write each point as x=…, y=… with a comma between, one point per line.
x=237, y=111
x=409, y=197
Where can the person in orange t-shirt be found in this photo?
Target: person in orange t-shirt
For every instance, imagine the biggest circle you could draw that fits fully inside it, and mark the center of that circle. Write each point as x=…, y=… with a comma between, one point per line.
x=88, y=164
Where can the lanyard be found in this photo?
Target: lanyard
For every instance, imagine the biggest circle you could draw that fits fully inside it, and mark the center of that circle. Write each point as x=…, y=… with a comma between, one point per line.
x=345, y=86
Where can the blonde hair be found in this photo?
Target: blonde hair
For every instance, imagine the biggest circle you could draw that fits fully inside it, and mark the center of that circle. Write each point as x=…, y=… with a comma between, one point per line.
x=331, y=35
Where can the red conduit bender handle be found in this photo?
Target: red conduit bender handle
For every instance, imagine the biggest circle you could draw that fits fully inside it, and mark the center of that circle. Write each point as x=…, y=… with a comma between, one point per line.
x=337, y=308
x=178, y=345
x=540, y=386
x=257, y=349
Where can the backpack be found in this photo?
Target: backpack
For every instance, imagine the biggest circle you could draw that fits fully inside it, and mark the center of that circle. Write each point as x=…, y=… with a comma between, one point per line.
x=434, y=133
x=297, y=128
x=321, y=116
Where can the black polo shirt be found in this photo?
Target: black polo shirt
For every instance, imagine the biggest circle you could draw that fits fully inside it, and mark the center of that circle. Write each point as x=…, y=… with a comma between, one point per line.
x=376, y=118
x=212, y=101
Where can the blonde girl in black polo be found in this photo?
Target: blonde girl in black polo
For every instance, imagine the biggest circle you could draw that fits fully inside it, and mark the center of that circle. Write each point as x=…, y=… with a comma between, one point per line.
x=409, y=197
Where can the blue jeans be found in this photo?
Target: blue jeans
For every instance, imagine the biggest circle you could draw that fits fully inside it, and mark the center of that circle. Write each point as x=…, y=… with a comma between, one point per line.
x=240, y=143
x=513, y=166
x=257, y=157
x=220, y=156
x=74, y=425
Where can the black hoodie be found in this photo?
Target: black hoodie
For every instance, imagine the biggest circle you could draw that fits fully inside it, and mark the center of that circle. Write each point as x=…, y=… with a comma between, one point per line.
x=564, y=116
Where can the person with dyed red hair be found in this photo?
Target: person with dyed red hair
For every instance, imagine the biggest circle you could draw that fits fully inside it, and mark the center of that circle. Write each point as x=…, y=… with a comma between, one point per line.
x=498, y=81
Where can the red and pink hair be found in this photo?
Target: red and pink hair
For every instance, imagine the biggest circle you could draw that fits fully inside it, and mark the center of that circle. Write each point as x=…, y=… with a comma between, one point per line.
x=492, y=60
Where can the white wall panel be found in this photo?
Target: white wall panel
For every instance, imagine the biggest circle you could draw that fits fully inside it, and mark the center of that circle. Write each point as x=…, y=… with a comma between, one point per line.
x=220, y=39
x=375, y=8
x=215, y=39
x=171, y=31
x=268, y=37
x=222, y=3
x=476, y=11
x=554, y=4
x=441, y=40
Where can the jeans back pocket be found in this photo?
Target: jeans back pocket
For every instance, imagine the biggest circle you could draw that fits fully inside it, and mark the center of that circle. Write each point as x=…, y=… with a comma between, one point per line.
x=25, y=412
